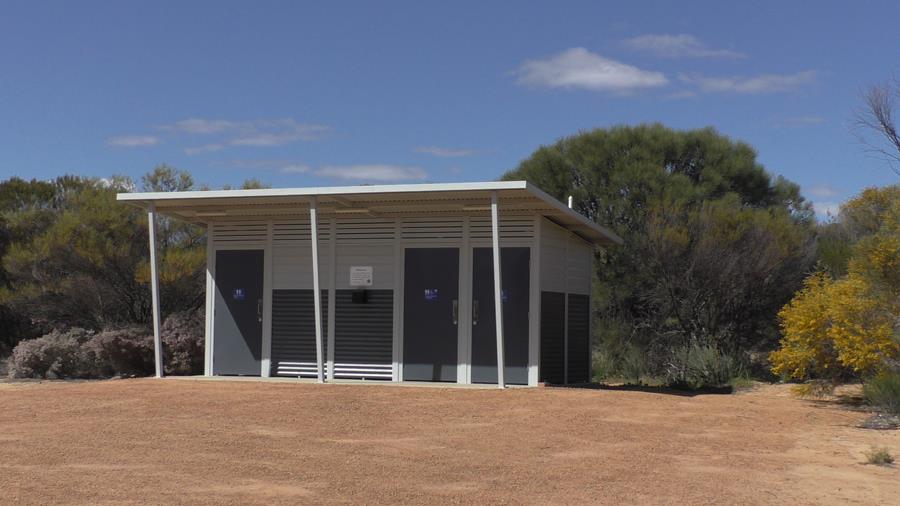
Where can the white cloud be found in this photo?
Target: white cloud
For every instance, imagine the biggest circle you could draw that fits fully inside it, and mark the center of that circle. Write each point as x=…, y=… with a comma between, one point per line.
x=258, y=132
x=132, y=141
x=285, y=166
x=822, y=191
x=765, y=83
x=677, y=46
x=579, y=68
x=373, y=172
x=444, y=152
x=825, y=210
x=796, y=121
x=206, y=148
x=202, y=126
x=294, y=168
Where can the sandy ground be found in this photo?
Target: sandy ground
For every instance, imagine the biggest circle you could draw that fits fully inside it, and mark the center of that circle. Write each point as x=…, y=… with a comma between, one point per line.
x=202, y=442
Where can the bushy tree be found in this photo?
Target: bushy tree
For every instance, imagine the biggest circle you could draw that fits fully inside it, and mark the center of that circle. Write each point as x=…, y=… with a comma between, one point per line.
x=714, y=245
x=87, y=263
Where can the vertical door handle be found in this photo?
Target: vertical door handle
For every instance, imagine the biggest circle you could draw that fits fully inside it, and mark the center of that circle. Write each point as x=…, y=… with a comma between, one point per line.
x=455, y=313
x=475, y=312
x=259, y=310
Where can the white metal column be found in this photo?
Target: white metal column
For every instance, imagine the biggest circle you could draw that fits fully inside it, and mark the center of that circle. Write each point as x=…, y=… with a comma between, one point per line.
x=498, y=299
x=266, y=362
x=332, y=294
x=154, y=291
x=317, y=296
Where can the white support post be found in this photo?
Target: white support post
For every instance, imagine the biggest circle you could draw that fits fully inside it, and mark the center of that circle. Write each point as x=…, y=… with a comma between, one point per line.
x=498, y=298
x=154, y=291
x=317, y=295
x=332, y=295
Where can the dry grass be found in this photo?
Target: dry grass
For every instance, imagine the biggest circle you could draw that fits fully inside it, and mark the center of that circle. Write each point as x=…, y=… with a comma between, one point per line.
x=193, y=442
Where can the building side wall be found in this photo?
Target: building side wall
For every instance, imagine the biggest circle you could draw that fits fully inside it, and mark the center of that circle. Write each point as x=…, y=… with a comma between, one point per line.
x=566, y=273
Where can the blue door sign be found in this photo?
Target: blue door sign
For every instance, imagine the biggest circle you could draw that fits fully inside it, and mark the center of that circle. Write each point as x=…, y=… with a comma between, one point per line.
x=238, y=294
x=431, y=295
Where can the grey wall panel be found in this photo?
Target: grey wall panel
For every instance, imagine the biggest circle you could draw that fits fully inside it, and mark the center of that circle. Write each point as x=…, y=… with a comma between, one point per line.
x=364, y=332
x=293, y=327
x=552, y=366
x=579, y=336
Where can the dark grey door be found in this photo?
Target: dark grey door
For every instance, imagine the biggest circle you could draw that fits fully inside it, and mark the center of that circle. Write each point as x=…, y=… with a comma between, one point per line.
x=430, y=314
x=237, y=324
x=515, y=271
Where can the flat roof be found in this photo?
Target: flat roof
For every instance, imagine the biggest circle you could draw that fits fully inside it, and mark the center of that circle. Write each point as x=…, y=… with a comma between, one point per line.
x=371, y=200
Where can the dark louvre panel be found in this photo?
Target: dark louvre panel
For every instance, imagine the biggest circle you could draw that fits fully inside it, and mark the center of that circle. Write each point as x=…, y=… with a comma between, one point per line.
x=579, y=336
x=364, y=332
x=552, y=340
x=294, y=332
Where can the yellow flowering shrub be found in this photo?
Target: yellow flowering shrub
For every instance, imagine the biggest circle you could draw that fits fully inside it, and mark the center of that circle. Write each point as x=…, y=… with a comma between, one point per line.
x=850, y=325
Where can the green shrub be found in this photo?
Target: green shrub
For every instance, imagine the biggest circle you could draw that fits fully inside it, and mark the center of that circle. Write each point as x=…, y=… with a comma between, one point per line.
x=883, y=391
x=183, y=339
x=59, y=354
x=633, y=365
x=701, y=366
x=879, y=457
x=125, y=351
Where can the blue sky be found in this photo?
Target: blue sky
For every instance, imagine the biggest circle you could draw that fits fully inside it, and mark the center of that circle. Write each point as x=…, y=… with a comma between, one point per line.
x=301, y=94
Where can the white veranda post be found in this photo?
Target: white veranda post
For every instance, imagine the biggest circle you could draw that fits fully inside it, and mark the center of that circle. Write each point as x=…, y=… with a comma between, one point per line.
x=498, y=289
x=317, y=294
x=154, y=291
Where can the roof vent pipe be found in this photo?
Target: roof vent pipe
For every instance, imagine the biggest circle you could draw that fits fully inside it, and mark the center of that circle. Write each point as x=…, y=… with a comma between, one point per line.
x=570, y=202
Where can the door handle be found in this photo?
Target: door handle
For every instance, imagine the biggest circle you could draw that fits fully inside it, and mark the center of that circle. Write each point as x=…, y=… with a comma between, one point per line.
x=475, y=312
x=259, y=304
x=455, y=311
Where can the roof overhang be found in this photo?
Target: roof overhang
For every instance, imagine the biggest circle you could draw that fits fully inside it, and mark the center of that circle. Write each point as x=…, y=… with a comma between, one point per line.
x=518, y=197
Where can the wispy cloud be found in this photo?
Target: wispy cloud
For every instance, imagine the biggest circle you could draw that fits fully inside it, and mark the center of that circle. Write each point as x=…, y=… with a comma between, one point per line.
x=284, y=166
x=797, y=121
x=764, y=83
x=578, y=68
x=206, y=148
x=373, y=172
x=132, y=141
x=294, y=168
x=822, y=191
x=444, y=152
x=258, y=132
x=677, y=46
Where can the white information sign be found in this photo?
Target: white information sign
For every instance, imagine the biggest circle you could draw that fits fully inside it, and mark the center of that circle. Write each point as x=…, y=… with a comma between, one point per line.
x=361, y=275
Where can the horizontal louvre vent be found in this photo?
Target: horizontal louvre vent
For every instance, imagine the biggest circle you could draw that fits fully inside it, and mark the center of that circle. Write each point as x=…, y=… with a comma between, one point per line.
x=294, y=332
x=514, y=227
x=296, y=231
x=225, y=233
x=364, y=230
x=363, y=335
x=579, y=336
x=431, y=229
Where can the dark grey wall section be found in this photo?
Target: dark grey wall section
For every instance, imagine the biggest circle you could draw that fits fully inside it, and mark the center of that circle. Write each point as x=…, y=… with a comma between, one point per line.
x=579, y=336
x=515, y=270
x=430, y=285
x=237, y=324
x=293, y=326
x=364, y=332
x=553, y=316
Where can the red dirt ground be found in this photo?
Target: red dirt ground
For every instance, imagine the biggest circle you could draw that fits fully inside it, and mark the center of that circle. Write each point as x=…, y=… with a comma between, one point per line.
x=213, y=442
